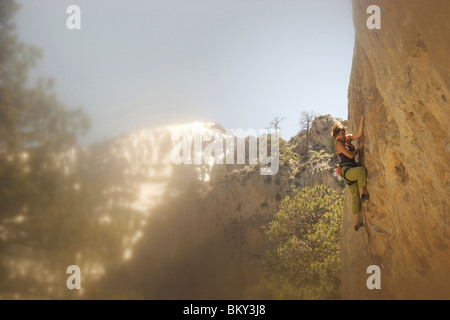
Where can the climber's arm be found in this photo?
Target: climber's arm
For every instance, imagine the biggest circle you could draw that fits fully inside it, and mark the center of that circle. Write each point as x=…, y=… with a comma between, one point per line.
x=360, y=131
x=341, y=148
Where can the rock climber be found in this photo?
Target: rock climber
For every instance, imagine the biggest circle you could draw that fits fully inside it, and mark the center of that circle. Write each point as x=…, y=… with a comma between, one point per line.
x=353, y=174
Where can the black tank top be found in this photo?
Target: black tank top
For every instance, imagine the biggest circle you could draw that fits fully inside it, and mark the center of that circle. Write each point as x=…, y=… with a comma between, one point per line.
x=344, y=158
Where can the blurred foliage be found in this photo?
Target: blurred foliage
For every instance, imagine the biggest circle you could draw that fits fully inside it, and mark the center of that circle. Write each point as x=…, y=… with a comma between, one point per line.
x=304, y=262
x=59, y=204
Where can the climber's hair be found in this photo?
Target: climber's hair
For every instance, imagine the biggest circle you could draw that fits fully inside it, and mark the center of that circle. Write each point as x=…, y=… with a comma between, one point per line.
x=336, y=129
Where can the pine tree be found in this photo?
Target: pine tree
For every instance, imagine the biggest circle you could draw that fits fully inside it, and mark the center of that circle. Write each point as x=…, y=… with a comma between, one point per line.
x=305, y=261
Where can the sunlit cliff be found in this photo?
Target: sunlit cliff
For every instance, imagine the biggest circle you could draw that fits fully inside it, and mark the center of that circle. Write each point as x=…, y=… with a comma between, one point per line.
x=400, y=82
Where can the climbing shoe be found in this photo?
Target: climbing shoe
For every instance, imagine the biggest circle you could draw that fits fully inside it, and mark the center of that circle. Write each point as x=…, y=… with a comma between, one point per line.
x=358, y=226
x=364, y=198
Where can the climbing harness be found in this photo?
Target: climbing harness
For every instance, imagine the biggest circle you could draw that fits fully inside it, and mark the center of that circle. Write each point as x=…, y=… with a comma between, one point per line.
x=342, y=169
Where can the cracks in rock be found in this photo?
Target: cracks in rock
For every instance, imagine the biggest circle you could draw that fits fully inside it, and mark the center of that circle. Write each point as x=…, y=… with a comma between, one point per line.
x=378, y=230
x=444, y=226
x=409, y=75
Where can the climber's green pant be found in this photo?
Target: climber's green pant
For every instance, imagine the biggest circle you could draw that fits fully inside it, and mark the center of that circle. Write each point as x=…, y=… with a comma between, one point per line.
x=357, y=174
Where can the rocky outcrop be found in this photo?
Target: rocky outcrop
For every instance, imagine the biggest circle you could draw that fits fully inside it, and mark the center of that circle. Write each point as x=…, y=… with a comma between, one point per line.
x=400, y=81
x=319, y=134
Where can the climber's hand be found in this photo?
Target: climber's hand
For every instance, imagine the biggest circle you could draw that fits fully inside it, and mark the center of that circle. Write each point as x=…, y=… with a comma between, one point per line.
x=348, y=139
x=362, y=119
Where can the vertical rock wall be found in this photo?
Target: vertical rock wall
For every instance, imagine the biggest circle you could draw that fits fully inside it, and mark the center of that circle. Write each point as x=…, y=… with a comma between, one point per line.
x=401, y=81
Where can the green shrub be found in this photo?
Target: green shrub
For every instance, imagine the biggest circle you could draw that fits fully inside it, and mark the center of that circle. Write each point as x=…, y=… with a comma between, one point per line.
x=305, y=261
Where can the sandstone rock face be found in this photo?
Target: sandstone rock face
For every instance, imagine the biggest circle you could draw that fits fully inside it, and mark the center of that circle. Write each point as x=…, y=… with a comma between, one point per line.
x=401, y=81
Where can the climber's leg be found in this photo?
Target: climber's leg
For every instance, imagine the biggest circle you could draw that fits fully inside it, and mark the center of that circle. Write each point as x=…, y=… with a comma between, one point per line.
x=356, y=203
x=359, y=174
x=356, y=219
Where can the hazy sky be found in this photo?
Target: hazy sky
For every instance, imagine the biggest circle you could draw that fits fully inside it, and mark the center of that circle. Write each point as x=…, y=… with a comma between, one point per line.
x=142, y=63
